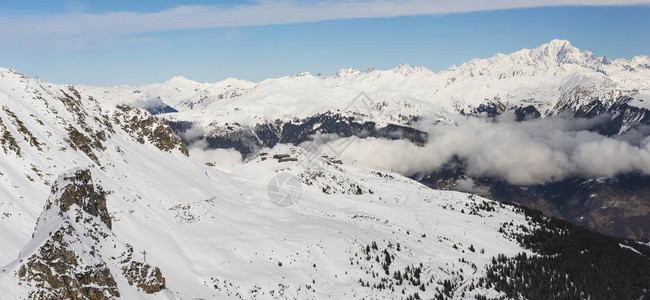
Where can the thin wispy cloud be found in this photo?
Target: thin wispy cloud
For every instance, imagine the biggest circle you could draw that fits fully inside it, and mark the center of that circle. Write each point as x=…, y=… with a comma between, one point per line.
x=80, y=30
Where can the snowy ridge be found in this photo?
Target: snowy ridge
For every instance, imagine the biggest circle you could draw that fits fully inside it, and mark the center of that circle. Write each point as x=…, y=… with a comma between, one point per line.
x=48, y=129
x=73, y=252
x=541, y=77
x=213, y=231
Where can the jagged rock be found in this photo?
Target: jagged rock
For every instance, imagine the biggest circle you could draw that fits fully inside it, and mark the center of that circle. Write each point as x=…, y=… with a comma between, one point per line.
x=141, y=125
x=58, y=269
x=144, y=276
x=73, y=104
x=492, y=109
x=74, y=254
x=56, y=272
x=147, y=278
x=81, y=191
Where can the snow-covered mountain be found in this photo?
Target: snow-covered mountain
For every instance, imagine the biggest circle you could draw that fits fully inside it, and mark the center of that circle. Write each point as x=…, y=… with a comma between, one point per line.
x=212, y=232
x=101, y=201
x=553, y=78
x=73, y=253
x=550, y=80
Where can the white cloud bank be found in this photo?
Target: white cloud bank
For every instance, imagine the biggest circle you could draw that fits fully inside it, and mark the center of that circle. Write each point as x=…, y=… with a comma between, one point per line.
x=221, y=157
x=533, y=152
x=79, y=30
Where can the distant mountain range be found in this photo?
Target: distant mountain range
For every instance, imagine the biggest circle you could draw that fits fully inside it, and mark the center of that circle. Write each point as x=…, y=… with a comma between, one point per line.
x=554, y=79
x=99, y=198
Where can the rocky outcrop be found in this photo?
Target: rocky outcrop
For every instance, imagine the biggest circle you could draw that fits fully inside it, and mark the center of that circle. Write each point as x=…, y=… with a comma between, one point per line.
x=147, y=278
x=74, y=253
x=55, y=271
x=87, y=145
x=81, y=191
x=22, y=129
x=82, y=136
x=143, y=126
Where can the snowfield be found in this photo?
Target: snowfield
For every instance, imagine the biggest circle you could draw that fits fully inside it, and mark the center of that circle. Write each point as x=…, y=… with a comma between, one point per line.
x=213, y=231
x=98, y=198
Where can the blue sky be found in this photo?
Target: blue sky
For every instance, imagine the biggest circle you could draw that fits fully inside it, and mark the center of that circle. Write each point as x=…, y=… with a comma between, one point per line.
x=136, y=42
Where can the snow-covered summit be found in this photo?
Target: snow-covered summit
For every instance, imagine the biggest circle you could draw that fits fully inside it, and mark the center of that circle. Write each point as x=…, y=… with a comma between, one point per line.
x=181, y=229
x=180, y=80
x=407, y=70
x=346, y=73
x=120, y=200
x=74, y=254
x=563, y=53
x=542, y=77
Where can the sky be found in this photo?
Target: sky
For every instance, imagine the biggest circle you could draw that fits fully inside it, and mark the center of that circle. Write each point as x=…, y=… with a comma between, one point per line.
x=108, y=43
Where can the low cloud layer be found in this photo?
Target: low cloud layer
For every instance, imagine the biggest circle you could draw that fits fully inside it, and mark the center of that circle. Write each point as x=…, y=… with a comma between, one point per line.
x=467, y=184
x=533, y=152
x=221, y=157
x=77, y=30
x=149, y=103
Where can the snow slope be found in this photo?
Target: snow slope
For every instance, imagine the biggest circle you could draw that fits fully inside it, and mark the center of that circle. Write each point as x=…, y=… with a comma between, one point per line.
x=213, y=231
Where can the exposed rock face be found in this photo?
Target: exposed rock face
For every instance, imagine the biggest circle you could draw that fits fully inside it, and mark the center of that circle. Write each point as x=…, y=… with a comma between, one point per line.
x=88, y=126
x=82, y=136
x=492, y=108
x=82, y=192
x=7, y=140
x=22, y=129
x=526, y=113
x=79, y=141
x=58, y=269
x=74, y=254
x=147, y=278
x=141, y=125
x=56, y=272
x=136, y=122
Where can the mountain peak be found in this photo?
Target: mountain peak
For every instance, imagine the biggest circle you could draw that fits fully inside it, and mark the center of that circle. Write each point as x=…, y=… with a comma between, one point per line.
x=80, y=256
x=558, y=43
x=346, y=72
x=406, y=70
x=563, y=52
x=179, y=80
x=301, y=74
x=556, y=48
